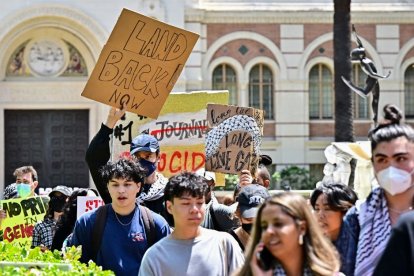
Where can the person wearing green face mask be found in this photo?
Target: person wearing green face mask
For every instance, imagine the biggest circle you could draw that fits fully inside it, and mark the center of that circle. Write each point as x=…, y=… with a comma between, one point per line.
x=26, y=183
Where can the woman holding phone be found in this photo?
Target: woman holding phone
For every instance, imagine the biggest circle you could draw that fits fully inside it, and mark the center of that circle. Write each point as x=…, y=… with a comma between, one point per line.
x=287, y=240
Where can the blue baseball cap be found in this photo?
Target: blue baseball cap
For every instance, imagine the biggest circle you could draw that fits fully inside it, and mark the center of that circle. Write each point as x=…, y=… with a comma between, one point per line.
x=144, y=142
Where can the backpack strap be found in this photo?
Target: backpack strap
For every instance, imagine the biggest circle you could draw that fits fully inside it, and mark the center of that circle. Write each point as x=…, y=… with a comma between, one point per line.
x=98, y=229
x=99, y=226
x=149, y=225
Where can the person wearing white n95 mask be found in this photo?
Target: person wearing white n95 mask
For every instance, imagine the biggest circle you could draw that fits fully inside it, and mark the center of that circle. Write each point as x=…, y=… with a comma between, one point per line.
x=370, y=223
x=394, y=180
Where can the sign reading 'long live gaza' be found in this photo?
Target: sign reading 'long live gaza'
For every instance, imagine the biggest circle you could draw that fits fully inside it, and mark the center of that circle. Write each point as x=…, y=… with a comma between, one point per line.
x=233, y=139
x=140, y=64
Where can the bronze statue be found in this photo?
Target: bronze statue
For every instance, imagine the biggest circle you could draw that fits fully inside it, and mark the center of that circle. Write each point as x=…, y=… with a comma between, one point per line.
x=371, y=83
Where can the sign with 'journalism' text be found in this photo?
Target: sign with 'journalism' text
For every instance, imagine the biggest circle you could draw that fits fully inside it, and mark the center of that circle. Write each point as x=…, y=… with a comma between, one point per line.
x=140, y=64
x=180, y=130
x=22, y=215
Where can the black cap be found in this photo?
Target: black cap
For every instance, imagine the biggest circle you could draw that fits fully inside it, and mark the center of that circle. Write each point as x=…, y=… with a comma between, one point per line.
x=265, y=160
x=61, y=189
x=250, y=198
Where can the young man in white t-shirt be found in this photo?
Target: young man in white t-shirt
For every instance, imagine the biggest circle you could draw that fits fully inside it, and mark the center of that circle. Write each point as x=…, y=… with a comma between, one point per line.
x=191, y=249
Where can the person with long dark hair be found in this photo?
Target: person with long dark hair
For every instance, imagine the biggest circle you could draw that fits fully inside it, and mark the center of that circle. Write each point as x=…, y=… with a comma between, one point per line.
x=66, y=222
x=392, y=147
x=44, y=230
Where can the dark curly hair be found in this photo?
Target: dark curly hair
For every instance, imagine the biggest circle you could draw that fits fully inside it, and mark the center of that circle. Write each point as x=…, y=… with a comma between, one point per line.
x=123, y=168
x=391, y=128
x=185, y=183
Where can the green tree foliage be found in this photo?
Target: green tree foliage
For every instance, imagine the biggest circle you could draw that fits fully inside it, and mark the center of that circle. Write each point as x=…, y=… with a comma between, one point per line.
x=296, y=178
x=231, y=181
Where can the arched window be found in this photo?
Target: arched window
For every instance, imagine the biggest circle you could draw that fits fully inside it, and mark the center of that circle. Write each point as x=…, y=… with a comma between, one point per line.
x=321, y=93
x=224, y=78
x=362, y=105
x=261, y=89
x=409, y=92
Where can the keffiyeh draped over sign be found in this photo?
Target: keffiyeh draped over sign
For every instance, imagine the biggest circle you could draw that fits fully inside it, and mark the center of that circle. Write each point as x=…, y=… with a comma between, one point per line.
x=238, y=122
x=233, y=138
x=375, y=224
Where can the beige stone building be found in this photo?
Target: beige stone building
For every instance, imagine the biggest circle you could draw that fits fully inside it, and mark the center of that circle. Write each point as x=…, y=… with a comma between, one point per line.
x=274, y=55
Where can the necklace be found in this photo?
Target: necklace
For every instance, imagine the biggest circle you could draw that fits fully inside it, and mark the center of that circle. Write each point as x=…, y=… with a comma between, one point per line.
x=395, y=211
x=120, y=222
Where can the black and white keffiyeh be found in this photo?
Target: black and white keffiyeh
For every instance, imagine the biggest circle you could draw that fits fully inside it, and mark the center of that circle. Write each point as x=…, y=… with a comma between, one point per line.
x=238, y=122
x=375, y=225
x=156, y=191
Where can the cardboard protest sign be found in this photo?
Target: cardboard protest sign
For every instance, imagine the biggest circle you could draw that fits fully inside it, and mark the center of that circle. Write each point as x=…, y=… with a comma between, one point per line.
x=139, y=64
x=22, y=215
x=233, y=139
x=180, y=130
x=87, y=203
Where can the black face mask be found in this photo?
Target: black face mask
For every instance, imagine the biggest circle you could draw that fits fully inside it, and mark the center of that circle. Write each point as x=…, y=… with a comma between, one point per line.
x=150, y=167
x=247, y=227
x=57, y=204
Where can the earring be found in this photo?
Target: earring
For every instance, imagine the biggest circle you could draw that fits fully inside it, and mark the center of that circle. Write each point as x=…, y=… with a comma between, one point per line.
x=301, y=239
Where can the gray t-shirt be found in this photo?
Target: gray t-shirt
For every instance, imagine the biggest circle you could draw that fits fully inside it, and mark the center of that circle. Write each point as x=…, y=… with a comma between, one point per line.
x=212, y=253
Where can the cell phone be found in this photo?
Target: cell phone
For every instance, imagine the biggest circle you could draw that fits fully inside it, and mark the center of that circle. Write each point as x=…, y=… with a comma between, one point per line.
x=265, y=259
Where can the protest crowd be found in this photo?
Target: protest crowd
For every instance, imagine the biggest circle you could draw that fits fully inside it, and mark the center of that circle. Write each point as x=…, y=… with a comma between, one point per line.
x=151, y=225
x=140, y=222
